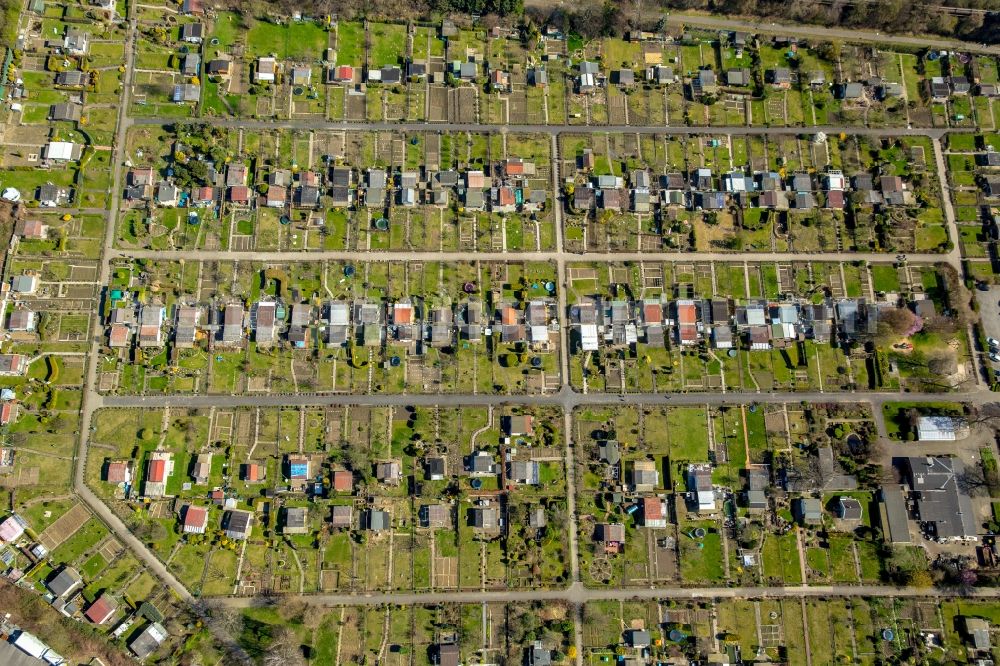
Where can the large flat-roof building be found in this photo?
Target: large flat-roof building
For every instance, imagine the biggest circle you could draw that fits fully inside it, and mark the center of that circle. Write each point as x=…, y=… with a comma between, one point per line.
x=942, y=504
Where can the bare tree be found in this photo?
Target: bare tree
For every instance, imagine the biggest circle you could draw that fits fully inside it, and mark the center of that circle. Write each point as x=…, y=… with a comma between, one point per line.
x=959, y=297
x=226, y=620
x=943, y=364
x=292, y=609
x=940, y=324
x=284, y=649
x=972, y=479
x=987, y=414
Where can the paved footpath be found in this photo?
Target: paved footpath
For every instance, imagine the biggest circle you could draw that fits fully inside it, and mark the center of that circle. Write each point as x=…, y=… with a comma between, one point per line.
x=565, y=398
x=424, y=126
x=544, y=255
x=578, y=594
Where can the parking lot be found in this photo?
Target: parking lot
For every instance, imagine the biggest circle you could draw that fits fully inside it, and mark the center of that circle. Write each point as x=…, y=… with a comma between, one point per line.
x=989, y=312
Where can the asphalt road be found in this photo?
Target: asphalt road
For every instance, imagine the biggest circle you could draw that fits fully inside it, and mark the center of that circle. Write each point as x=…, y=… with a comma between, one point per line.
x=564, y=398
x=577, y=594
x=544, y=255
x=739, y=130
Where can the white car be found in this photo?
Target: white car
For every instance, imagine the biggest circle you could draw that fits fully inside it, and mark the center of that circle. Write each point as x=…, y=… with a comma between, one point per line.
x=993, y=342
x=995, y=357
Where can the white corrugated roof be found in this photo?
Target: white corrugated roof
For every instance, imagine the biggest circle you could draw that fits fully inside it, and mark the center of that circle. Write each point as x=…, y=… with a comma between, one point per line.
x=29, y=643
x=59, y=150
x=53, y=658
x=339, y=315
x=588, y=337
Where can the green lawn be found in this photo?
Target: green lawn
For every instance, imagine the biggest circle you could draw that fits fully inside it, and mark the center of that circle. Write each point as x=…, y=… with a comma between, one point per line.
x=225, y=28
x=963, y=142
x=885, y=278
x=296, y=41
x=781, y=559
x=350, y=44
x=756, y=430
x=85, y=538
x=770, y=274
x=27, y=181
x=842, y=559
x=931, y=237
x=93, y=566
x=871, y=563
x=701, y=559
x=388, y=43
x=216, y=103
x=688, y=434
